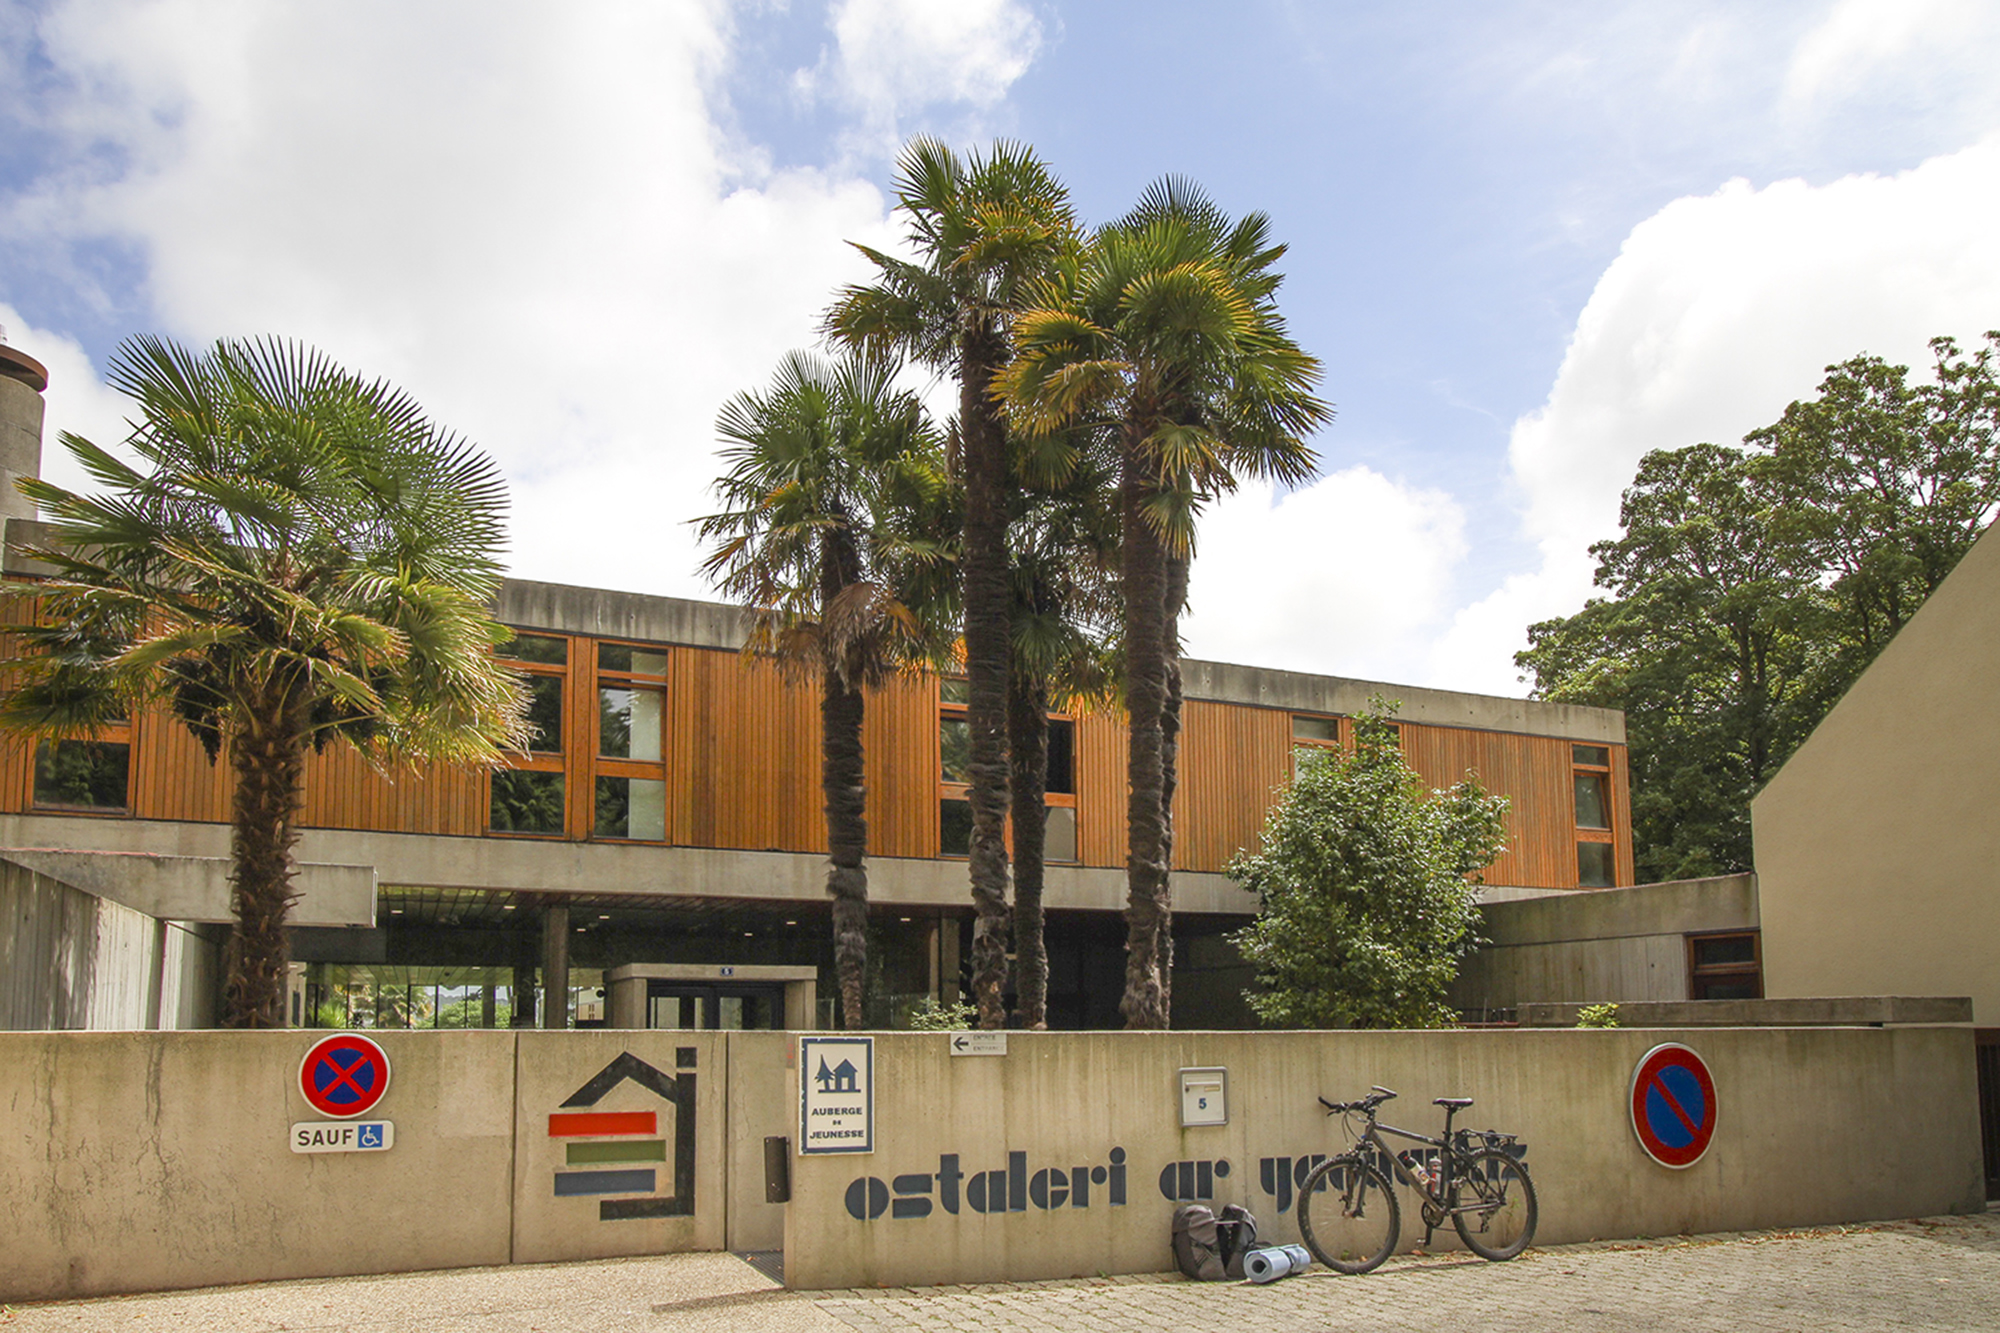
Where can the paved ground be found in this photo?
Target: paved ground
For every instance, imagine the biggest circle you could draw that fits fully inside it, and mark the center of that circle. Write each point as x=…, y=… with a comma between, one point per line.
x=1936, y=1273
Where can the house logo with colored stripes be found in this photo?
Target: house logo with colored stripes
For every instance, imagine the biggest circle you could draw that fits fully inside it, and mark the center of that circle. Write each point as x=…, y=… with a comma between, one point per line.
x=623, y=1158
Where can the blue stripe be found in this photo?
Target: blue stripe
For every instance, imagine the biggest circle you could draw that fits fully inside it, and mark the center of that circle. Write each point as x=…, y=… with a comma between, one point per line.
x=604, y=1182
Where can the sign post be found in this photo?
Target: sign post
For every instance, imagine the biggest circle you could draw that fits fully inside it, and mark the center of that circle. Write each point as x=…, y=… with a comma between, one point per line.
x=1673, y=1105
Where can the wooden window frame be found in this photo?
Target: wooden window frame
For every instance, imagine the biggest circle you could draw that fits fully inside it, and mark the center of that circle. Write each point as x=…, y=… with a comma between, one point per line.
x=111, y=733
x=960, y=791
x=1343, y=737
x=602, y=765
x=1698, y=972
x=1606, y=835
x=543, y=761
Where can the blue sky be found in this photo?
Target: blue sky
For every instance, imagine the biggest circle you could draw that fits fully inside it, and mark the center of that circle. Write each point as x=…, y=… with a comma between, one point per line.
x=1529, y=241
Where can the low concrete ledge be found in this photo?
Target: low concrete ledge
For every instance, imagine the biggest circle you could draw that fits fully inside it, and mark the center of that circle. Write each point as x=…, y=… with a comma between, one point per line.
x=1832, y=1011
x=196, y=888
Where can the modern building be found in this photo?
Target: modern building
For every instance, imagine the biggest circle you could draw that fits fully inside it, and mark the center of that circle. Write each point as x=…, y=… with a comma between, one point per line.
x=658, y=858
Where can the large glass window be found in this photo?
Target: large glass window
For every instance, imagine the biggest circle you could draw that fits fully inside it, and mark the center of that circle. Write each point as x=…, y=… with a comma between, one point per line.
x=631, y=787
x=1596, y=851
x=632, y=808
x=1312, y=737
x=529, y=798
x=545, y=714
x=527, y=801
x=83, y=775
x=954, y=765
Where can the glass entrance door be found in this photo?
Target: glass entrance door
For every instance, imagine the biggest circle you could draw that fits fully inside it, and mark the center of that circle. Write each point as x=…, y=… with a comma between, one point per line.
x=686, y=1006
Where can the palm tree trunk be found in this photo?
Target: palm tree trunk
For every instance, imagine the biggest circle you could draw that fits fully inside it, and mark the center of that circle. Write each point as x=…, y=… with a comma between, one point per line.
x=988, y=600
x=1170, y=732
x=1028, y=748
x=1143, y=573
x=268, y=754
x=841, y=780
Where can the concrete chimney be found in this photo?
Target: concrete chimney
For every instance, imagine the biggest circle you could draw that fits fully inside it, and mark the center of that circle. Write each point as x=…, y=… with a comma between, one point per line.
x=22, y=381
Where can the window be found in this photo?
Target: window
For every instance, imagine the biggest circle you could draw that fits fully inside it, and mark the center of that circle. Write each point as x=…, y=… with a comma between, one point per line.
x=954, y=761
x=1596, y=852
x=85, y=775
x=1311, y=737
x=631, y=794
x=530, y=797
x=1725, y=966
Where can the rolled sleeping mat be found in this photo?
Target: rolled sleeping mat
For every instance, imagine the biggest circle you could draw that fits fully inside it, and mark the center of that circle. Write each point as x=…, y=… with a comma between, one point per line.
x=1301, y=1258
x=1267, y=1265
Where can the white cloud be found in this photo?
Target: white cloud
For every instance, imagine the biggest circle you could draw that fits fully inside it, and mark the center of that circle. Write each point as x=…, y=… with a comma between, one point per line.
x=894, y=56
x=1718, y=311
x=1861, y=39
x=535, y=227
x=76, y=400
x=1354, y=569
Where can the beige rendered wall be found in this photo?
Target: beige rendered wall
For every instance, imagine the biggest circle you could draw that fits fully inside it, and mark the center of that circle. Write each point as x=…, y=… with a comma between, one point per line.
x=145, y=1161
x=1878, y=849
x=1800, y=1137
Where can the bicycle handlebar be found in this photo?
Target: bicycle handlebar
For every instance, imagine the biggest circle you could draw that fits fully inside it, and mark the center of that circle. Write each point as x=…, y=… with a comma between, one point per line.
x=1376, y=1096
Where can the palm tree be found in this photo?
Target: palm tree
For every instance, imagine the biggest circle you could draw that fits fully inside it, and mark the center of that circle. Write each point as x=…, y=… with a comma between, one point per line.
x=1166, y=328
x=304, y=558
x=983, y=227
x=825, y=471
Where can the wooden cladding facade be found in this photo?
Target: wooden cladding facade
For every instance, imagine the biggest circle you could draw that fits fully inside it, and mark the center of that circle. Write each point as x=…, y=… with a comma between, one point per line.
x=741, y=766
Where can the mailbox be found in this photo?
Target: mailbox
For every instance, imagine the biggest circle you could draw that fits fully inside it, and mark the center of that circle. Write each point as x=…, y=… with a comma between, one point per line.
x=1204, y=1097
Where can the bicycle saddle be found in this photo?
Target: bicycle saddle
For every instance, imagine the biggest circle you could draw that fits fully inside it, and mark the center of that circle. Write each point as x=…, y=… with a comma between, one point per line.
x=1456, y=1103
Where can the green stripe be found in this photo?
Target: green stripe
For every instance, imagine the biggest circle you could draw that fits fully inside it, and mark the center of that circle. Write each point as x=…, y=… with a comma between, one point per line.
x=642, y=1150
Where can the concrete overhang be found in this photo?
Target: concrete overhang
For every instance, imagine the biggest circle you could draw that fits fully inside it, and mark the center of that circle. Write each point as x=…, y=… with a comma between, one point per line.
x=196, y=888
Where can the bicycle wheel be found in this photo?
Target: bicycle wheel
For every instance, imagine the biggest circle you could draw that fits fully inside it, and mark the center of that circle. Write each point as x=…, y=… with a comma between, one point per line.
x=1498, y=1201
x=1353, y=1228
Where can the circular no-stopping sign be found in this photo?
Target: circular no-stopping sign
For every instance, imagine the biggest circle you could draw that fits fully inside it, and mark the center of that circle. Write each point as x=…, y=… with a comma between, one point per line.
x=1673, y=1105
x=344, y=1076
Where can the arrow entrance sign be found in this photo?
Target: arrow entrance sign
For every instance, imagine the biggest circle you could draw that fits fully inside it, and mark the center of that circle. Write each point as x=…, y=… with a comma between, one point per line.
x=978, y=1043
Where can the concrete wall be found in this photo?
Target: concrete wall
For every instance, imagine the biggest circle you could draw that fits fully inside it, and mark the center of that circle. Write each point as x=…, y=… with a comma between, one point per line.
x=1878, y=851
x=22, y=378
x=1800, y=1139
x=1596, y=945
x=151, y=1161
x=70, y=960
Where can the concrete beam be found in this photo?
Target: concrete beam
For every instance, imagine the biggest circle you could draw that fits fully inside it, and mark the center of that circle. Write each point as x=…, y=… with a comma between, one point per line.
x=196, y=888
x=1674, y=907
x=1832, y=1011
x=534, y=866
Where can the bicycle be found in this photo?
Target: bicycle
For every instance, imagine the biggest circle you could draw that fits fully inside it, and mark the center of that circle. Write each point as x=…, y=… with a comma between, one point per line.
x=1477, y=1183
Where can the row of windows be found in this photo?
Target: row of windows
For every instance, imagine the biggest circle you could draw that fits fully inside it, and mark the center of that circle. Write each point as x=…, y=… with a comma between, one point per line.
x=629, y=775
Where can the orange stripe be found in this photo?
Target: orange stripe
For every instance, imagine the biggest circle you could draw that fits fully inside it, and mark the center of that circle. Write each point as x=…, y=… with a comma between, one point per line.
x=602, y=1122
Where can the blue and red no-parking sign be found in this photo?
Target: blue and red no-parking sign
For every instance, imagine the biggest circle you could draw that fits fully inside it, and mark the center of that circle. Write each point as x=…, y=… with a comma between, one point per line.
x=1673, y=1105
x=344, y=1076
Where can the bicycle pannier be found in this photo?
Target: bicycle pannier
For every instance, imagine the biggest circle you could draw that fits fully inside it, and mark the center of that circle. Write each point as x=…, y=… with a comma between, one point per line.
x=1236, y=1227
x=1197, y=1247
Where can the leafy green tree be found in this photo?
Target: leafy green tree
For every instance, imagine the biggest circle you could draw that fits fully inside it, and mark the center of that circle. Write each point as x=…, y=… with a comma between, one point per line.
x=825, y=473
x=1165, y=330
x=1366, y=884
x=302, y=557
x=983, y=227
x=1752, y=585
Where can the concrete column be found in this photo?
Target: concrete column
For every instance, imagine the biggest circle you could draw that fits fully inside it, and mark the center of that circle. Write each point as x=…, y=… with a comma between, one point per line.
x=487, y=1005
x=948, y=960
x=555, y=967
x=22, y=379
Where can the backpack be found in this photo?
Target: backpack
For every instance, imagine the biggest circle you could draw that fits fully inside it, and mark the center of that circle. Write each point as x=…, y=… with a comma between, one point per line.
x=1237, y=1228
x=1197, y=1246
